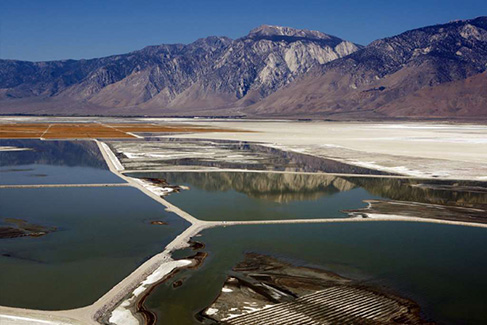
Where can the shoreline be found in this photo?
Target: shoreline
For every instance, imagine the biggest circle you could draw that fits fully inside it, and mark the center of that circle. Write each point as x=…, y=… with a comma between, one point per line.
x=161, y=263
x=481, y=179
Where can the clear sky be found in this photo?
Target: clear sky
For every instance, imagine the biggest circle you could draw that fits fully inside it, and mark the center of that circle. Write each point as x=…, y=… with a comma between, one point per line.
x=39, y=30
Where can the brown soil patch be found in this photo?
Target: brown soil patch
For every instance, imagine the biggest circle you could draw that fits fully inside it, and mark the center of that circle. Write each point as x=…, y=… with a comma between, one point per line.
x=92, y=130
x=150, y=318
x=19, y=135
x=158, y=223
x=177, y=284
x=21, y=228
x=167, y=128
x=67, y=131
x=22, y=130
x=24, y=127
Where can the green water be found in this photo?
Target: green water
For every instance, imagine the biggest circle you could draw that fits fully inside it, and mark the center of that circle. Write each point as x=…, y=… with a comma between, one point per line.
x=441, y=267
x=103, y=234
x=264, y=196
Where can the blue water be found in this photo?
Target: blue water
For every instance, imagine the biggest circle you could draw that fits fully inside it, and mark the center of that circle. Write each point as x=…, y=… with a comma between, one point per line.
x=53, y=162
x=103, y=234
x=443, y=268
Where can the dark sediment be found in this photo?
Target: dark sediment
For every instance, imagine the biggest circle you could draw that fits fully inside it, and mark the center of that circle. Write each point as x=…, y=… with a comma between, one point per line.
x=297, y=293
x=149, y=317
x=21, y=228
x=469, y=194
x=177, y=283
x=196, y=245
x=158, y=222
x=161, y=182
x=422, y=210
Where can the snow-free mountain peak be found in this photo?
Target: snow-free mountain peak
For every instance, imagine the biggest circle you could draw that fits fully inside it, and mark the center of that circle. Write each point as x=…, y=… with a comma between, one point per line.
x=272, y=30
x=273, y=71
x=210, y=73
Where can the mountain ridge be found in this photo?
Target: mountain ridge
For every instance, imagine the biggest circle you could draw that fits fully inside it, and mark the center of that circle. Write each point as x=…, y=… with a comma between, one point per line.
x=210, y=72
x=388, y=70
x=272, y=71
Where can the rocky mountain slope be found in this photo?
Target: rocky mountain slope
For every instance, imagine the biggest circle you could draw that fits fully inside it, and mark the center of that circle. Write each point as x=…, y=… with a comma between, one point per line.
x=427, y=72
x=432, y=72
x=210, y=73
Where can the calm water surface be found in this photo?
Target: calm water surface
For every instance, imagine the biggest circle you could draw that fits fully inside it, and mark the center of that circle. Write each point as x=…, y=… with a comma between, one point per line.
x=175, y=153
x=103, y=234
x=441, y=267
x=53, y=162
x=263, y=196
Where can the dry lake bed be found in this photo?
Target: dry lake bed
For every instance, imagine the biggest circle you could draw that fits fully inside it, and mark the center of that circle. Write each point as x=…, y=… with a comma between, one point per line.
x=195, y=221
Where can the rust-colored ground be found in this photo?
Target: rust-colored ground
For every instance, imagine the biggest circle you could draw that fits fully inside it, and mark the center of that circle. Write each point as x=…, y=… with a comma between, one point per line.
x=168, y=128
x=76, y=131
x=92, y=130
x=21, y=130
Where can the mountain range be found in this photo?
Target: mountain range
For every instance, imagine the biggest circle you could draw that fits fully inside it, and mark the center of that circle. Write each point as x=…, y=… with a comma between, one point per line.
x=432, y=72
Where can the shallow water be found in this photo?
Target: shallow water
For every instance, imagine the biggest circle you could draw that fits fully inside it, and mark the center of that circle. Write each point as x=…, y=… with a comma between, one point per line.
x=263, y=196
x=191, y=154
x=102, y=235
x=53, y=162
x=441, y=267
x=266, y=196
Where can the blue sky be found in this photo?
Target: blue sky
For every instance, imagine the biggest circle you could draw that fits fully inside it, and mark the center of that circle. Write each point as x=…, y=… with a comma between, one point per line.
x=38, y=30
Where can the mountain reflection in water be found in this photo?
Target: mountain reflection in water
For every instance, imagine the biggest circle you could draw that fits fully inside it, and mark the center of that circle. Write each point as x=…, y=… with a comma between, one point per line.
x=192, y=154
x=279, y=187
x=65, y=153
x=53, y=162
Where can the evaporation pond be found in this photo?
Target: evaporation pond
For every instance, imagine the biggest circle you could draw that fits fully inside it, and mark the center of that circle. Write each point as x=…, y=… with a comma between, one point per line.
x=77, y=244
x=265, y=196
x=441, y=267
x=29, y=162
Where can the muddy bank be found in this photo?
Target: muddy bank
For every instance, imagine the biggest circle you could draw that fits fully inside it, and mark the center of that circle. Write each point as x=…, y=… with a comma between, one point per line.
x=158, y=223
x=454, y=193
x=15, y=228
x=160, y=182
x=159, y=186
x=262, y=283
x=133, y=310
x=421, y=210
